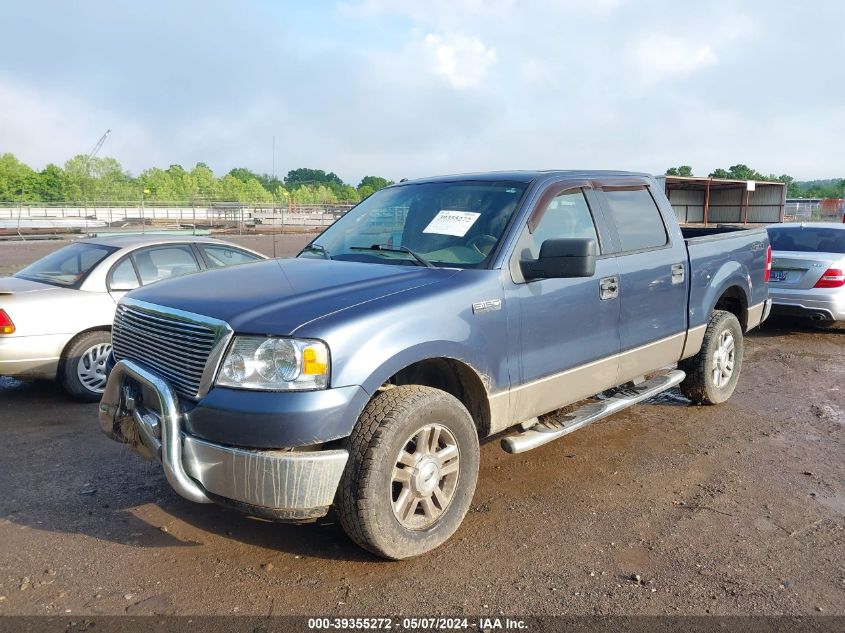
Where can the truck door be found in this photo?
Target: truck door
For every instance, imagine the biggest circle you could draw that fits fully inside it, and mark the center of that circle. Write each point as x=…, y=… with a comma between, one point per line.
x=564, y=333
x=653, y=280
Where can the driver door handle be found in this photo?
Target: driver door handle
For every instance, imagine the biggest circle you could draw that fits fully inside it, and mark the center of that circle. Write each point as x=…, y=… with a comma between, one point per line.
x=608, y=288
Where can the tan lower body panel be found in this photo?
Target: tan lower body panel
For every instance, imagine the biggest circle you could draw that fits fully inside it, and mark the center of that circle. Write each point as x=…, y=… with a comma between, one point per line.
x=695, y=339
x=755, y=315
x=558, y=390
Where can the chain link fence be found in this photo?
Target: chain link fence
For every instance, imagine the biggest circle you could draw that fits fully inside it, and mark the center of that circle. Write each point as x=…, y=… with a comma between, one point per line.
x=34, y=220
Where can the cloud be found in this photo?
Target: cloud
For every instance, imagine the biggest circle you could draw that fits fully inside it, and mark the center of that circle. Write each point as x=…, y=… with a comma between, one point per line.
x=41, y=127
x=463, y=60
x=413, y=89
x=658, y=56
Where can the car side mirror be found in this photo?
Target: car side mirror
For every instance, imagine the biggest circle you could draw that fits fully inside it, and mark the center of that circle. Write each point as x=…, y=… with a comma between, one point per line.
x=562, y=258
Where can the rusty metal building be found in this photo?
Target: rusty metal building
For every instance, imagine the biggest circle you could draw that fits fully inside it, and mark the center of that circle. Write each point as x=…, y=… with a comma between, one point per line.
x=719, y=201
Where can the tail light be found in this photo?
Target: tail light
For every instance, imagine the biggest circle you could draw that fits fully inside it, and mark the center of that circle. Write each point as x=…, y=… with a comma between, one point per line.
x=6, y=325
x=768, y=262
x=832, y=278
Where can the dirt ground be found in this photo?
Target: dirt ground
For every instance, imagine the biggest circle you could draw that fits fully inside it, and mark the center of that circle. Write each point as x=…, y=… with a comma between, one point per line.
x=662, y=509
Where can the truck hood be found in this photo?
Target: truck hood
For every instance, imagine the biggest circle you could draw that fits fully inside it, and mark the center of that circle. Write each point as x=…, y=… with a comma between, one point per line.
x=278, y=296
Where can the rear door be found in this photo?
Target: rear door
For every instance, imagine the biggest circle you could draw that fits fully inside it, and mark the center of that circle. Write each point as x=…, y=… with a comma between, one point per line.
x=653, y=278
x=564, y=333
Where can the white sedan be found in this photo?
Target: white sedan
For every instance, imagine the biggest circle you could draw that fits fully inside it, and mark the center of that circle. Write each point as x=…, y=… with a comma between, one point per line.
x=56, y=314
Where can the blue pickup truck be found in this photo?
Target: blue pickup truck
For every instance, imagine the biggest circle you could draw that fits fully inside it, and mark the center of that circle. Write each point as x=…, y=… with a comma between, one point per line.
x=362, y=374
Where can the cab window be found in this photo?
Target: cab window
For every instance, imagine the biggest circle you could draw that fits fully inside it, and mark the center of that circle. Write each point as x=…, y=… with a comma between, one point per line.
x=567, y=215
x=637, y=219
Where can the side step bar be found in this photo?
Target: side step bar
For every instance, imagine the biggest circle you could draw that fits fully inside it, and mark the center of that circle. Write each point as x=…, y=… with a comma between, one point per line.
x=622, y=398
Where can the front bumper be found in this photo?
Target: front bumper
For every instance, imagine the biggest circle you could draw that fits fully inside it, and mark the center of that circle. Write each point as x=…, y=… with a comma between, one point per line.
x=280, y=484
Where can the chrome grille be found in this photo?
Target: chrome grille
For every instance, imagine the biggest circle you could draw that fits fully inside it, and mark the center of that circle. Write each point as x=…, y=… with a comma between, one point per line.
x=174, y=345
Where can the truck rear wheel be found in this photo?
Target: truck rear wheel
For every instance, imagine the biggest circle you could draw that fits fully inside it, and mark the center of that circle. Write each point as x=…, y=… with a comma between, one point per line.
x=712, y=374
x=411, y=474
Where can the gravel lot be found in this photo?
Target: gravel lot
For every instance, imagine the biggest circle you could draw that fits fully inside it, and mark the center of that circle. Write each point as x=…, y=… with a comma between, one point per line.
x=663, y=509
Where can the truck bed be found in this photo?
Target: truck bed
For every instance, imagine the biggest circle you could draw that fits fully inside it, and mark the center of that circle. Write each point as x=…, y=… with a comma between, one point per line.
x=717, y=253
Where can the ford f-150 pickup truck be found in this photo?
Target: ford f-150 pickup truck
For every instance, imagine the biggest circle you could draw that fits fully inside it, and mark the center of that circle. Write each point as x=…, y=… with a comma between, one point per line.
x=362, y=373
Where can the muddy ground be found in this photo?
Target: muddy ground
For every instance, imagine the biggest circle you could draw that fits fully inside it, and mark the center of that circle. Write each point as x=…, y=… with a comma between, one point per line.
x=736, y=509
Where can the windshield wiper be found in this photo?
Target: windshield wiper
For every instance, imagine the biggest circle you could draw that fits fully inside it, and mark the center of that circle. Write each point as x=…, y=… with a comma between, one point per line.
x=395, y=249
x=319, y=248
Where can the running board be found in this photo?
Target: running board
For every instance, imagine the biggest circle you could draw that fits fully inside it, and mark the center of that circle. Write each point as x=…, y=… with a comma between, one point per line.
x=621, y=398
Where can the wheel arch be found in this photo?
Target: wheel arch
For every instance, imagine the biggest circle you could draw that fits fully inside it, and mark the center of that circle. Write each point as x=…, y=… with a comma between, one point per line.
x=734, y=299
x=453, y=376
x=72, y=340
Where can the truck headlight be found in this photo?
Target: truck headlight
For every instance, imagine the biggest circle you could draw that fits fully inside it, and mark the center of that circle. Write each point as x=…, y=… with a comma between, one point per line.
x=275, y=364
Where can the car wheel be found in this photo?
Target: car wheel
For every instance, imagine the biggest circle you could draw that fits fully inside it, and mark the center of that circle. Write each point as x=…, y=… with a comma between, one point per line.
x=712, y=374
x=411, y=474
x=83, y=367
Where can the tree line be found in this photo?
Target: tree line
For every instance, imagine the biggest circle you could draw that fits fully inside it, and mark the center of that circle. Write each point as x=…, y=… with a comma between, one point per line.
x=87, y=180
x=830, y=188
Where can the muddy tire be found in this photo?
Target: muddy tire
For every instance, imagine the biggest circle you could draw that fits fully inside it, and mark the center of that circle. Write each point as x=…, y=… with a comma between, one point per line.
x=82, y=372
x=712, y=374
x=411, y=474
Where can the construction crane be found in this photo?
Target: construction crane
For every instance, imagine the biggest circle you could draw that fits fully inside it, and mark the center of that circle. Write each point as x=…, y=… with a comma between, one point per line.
x=99, y=144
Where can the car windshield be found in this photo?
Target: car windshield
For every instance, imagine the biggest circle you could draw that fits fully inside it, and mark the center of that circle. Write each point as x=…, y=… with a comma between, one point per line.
x=68, y=266
x=453, y=224
x=808, y=239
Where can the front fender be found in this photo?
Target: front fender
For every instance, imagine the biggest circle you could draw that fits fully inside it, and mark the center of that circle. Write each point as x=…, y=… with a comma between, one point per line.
x=426, y=351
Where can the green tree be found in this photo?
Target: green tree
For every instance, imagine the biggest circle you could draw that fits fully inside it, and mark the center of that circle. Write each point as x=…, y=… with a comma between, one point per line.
x=243, y=174
x=230, y=188
x=204, y=184
x=16, y=179
x=254, y=191
x=79, y=180
x=110, y=180
x=49, y=184
x=305, y=176
x=739, y=171
x=374, y=182
x=683, y=170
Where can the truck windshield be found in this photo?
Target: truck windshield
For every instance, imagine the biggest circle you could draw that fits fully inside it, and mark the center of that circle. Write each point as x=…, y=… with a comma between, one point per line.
x=68, y=266
x=453, y=224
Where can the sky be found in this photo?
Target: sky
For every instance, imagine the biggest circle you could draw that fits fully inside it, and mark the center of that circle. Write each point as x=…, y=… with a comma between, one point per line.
x=411, y=89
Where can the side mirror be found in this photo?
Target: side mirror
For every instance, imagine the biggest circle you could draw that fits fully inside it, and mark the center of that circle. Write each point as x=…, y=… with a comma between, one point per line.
x=562, y=258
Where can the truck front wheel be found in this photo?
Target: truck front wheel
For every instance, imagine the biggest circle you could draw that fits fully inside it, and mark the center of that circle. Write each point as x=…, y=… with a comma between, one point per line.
x=411, y=474
x=712, y=374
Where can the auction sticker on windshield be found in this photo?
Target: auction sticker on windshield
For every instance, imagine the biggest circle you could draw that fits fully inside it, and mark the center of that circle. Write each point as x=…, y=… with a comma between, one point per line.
x=455, y=223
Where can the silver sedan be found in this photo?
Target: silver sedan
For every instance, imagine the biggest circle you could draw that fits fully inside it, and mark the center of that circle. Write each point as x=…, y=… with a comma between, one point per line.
x=808, y=271
x=56, y=314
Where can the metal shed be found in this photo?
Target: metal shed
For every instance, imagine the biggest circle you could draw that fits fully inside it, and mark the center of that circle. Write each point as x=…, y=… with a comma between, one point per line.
x=720, y=201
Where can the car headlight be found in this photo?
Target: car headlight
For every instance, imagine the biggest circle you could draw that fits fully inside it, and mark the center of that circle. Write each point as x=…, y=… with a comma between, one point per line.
x=275, y=364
